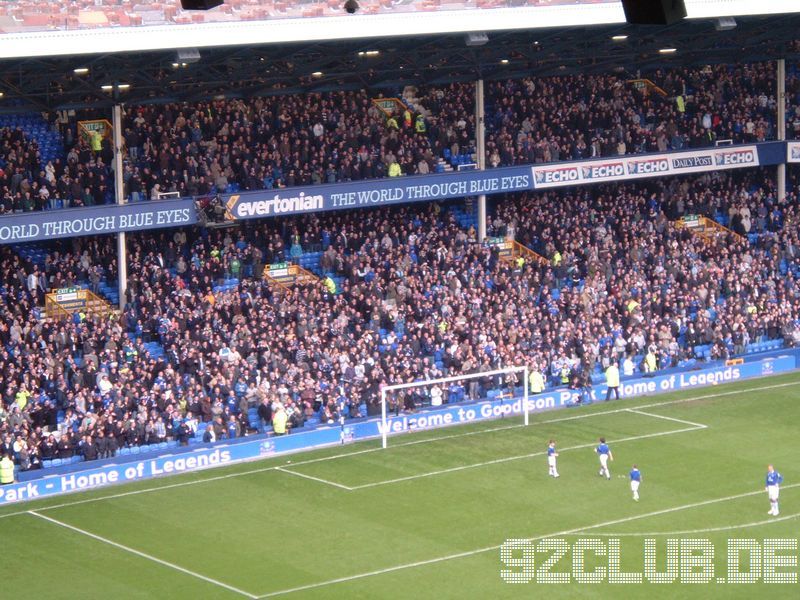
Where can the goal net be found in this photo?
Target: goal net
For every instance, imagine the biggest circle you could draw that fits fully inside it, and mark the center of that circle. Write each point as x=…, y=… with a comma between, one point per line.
x=504, y=386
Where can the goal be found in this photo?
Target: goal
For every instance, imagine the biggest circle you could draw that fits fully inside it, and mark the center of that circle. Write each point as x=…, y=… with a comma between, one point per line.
x=502, y=383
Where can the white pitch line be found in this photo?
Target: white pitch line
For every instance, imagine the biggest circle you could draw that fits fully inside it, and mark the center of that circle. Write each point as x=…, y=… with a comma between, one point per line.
x=467, y=553
x=695, y=505
x=698, y=531
x=519, y=457
x=312, y=478
x=648, y=414
x=719, y=394
x=143, y=555
x=368, y=450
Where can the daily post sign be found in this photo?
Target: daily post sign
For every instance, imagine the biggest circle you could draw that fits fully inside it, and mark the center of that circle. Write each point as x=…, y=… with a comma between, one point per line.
x=259, y=447
x=552, y=175
x=96, y=220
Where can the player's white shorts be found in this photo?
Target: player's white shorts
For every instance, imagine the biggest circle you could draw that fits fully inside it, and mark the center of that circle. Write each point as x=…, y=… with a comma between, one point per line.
x=773, y=491
x=635, y=485
x=604, y=461
x=551, y=461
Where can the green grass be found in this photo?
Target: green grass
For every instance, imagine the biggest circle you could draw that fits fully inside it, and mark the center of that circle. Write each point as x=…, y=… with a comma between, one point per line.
x=395, y=520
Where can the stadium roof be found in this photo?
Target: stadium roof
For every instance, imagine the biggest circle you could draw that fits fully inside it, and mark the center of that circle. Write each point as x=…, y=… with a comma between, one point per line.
x=385, y=63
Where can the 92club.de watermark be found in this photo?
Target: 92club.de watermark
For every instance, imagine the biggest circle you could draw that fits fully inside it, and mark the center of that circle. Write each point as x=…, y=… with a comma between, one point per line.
x=674, y=560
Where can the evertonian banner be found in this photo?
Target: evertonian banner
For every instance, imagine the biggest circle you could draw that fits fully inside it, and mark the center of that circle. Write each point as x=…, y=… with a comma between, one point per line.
x=376, y=192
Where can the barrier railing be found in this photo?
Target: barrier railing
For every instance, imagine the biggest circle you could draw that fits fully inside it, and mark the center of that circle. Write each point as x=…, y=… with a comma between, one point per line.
x=707, y=229
x=518, y=249
x=285, y=275
x=63, y=303
x=53, y=310
x=510, y=250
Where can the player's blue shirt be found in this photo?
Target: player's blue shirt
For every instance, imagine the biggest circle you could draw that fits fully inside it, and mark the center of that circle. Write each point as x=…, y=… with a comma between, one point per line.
x=774, y=478
x=551, y=450
x=602, y=449
x=635, y=475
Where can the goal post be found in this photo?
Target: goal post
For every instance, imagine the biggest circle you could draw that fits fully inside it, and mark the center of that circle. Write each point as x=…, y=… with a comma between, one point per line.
x=446, y=380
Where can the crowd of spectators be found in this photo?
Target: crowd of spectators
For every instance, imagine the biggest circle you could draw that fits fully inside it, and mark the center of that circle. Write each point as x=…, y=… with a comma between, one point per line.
x=418, y=298
x=632, y=284
x=544, y=119
x=793, y=98
x=281, y=141
x=25, y=184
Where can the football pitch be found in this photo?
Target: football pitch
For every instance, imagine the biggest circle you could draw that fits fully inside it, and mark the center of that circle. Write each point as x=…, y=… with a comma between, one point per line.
x=427, y=517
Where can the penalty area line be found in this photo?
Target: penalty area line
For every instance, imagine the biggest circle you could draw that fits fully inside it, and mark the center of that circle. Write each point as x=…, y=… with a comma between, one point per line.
x=649, y=414
x=144, y=555
x=317, y=479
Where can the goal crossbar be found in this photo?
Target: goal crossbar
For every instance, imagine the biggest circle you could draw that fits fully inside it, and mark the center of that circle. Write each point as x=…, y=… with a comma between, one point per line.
x=442, y=380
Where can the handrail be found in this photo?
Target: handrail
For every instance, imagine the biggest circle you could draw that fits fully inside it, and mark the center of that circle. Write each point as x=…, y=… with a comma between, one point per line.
x=701, y=226
x=719, y=227
x=294, y=273
x=301, y=272
x=518, y=249
x=275, y=282
x=384, y=104
x=82, y=299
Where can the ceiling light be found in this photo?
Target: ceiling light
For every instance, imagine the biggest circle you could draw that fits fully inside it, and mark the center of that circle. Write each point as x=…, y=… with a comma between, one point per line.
x=667, y=50
x=619, y=38
x=317, y=74
x=80, y=71
x=106, y=88
x=724, y=23
x=124, y=86
x=187, y=55
x=504, y=61
x=476, y=39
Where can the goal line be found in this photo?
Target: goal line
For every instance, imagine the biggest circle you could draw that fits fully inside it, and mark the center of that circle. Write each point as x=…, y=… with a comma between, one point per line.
x=445, y=380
